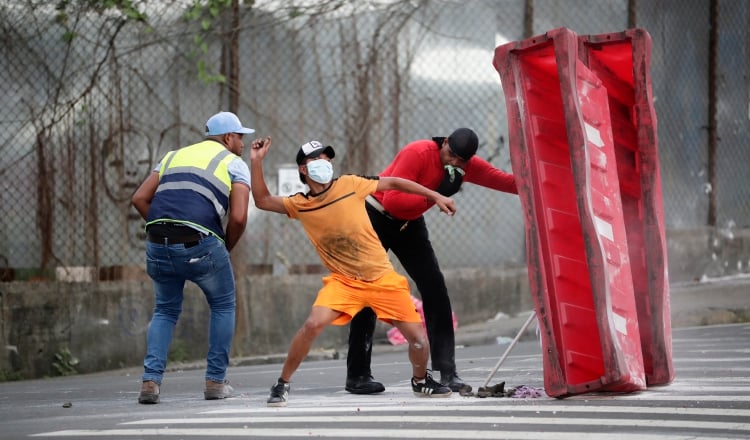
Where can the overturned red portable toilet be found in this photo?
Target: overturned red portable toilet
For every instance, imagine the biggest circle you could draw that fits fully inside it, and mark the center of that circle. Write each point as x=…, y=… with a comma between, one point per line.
x=622, y=61
x=562, y=156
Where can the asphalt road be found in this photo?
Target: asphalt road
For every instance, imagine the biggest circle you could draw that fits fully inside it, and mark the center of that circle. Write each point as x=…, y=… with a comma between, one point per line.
x=709, y=399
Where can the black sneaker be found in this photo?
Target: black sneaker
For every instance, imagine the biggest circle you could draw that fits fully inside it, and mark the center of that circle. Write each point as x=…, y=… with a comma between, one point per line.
x=455, y=383
x=429, y=388
x=363, y=385
x=279, y=394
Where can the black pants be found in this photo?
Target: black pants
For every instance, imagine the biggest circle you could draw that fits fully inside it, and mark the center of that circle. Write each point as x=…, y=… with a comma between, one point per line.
x=412, y=247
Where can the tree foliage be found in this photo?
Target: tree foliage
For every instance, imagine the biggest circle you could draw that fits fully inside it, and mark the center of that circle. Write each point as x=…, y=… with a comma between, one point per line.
x=127, y=8
x=206, y=13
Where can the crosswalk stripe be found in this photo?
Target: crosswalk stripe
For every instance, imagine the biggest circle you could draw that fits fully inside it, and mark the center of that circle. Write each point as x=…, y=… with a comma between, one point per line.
x=666, y=397
x=716, y=350
x=541, y=409
x=709, y=360
x=723, y=379
x=733, y=394
x=493, y=421
x=702, y=369
x=287, y=432
x=695, y=387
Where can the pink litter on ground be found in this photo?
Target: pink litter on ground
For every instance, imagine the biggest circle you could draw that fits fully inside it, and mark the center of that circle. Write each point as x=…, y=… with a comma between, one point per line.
x=528, y=392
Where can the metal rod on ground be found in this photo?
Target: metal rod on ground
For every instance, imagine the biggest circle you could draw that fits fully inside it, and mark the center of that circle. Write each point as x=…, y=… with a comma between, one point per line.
x=510, y=347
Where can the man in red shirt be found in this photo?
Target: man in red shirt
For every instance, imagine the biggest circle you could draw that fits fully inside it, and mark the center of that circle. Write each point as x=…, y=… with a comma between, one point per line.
x=441, y=164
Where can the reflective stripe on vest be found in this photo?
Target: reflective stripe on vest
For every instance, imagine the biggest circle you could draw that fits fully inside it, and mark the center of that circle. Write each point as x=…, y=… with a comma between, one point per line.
x=189, y=159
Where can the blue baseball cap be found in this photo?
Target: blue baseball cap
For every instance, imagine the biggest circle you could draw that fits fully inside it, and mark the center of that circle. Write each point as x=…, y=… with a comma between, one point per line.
x=225, y=122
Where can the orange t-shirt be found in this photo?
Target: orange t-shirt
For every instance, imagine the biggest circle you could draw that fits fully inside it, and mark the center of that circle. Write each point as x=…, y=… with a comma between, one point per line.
x=337, y=224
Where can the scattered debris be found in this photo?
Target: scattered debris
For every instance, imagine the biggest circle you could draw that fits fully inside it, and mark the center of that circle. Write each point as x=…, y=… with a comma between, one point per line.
x=519, y=392
x=465, y=392
x=497, y=390
x=526, y=392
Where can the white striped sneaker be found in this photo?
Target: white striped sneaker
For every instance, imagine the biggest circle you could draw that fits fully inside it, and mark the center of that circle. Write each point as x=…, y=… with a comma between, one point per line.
x=279, y=394
x=428, y=387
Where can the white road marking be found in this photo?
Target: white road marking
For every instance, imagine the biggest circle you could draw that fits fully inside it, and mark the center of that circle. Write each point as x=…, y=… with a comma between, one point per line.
x=443, y=421
x=715, y=359
x=709, y=368
x=699, y=386
x=536, y=408
x=720, y=379
x=286, y=432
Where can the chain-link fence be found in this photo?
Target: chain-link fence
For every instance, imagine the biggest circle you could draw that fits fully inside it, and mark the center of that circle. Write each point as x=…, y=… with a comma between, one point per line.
x=94, y=93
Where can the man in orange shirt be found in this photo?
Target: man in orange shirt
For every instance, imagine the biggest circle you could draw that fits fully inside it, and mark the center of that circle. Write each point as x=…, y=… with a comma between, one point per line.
x=334, y=217
x=442, y=164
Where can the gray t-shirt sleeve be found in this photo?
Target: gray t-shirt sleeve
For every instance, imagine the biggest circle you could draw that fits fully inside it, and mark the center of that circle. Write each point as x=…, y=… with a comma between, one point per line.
x=239, y=172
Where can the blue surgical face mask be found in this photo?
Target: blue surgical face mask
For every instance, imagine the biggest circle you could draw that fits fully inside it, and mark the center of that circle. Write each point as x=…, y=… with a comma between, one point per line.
x=320, y=170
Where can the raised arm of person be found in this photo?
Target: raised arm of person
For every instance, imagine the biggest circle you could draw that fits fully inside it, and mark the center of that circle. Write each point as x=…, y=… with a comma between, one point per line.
x=262, y=197
x=445, y=204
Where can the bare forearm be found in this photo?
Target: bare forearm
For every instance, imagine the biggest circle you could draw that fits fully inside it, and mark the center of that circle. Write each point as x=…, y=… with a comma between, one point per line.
x=233, y=234
x=262, y=197
x=143, y=196
x=239, y=198
x=258, y=185
x=142, y=208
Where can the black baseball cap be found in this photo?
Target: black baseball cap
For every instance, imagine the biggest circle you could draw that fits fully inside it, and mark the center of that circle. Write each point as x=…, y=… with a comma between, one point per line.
x=463, y=142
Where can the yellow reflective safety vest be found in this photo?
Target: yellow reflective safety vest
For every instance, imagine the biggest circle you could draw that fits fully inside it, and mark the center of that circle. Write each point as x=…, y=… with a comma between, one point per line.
x=194, y=187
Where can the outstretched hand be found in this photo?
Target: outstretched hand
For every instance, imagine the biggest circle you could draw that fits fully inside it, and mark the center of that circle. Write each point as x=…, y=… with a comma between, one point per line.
x=446, y=205
x=259, y=148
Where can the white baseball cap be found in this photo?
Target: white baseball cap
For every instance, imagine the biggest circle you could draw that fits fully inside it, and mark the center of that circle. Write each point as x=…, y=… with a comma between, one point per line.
x=313, y=149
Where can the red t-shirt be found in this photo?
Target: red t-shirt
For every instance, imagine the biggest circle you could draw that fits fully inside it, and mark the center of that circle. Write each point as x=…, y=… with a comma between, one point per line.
x=419, y=161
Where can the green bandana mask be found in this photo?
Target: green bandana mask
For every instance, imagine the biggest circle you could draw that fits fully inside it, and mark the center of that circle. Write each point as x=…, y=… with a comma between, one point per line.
x=453, y=170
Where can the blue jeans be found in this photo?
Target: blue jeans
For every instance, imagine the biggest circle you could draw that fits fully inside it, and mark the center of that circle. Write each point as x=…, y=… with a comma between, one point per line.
x=207, y=265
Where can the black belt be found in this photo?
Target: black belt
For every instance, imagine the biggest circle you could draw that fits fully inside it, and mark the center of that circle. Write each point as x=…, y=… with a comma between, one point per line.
x=167, y=234
x=377, y=206
x=187, y=240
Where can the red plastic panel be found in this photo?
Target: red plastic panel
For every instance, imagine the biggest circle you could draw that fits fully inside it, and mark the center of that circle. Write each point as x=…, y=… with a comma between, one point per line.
x=563, y=160
x=622, y=62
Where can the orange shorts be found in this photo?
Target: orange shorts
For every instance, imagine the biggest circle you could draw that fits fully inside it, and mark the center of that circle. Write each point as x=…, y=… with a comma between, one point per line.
x=388, y=296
